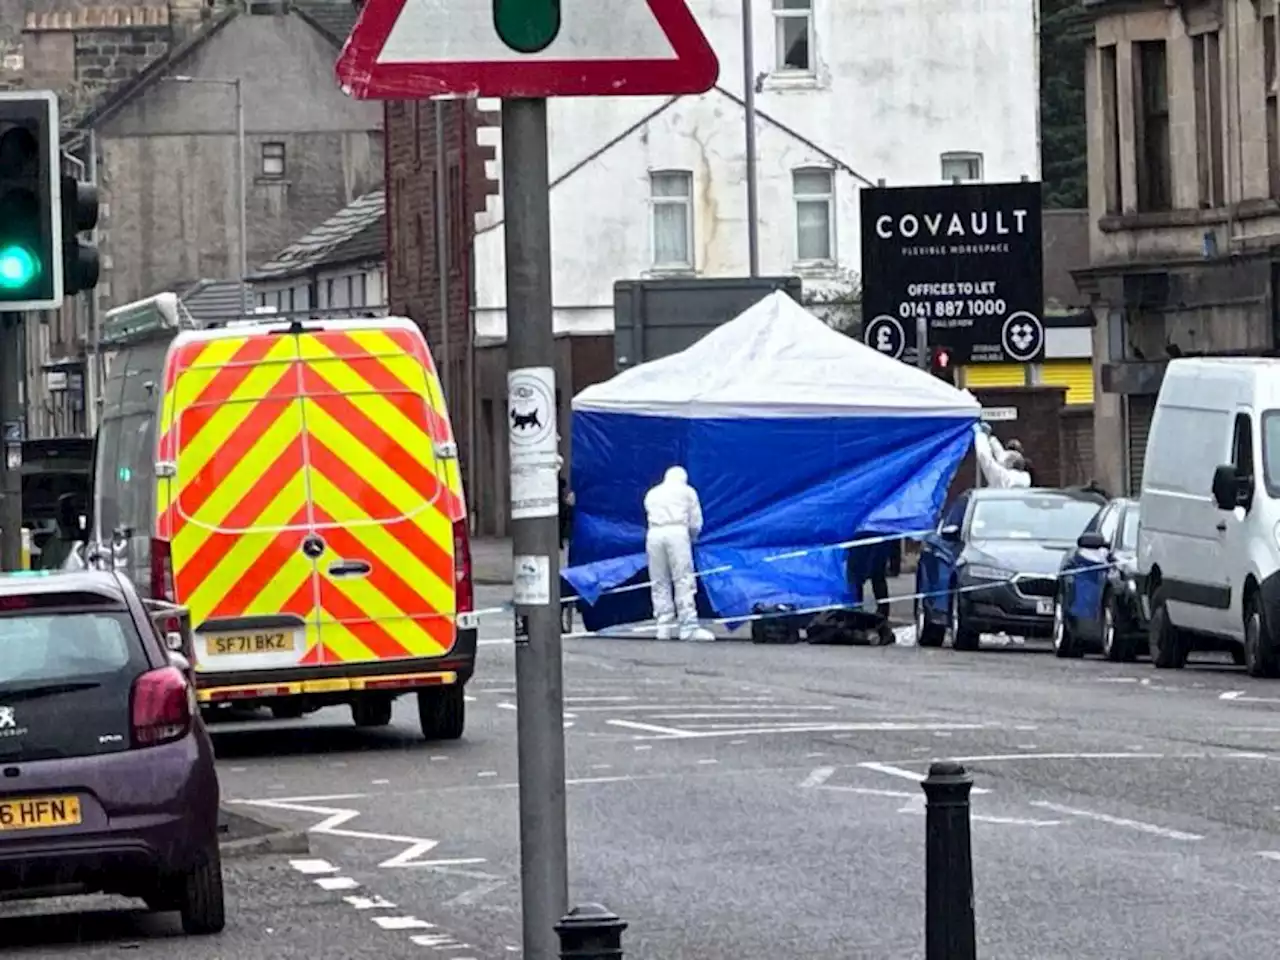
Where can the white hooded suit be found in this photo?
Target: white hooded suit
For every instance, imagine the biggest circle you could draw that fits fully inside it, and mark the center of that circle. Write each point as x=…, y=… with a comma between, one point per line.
x=1001, y=467
x=674, y=516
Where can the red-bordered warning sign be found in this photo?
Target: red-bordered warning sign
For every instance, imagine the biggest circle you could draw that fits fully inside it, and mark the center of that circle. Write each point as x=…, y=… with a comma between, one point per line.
x=419, y=49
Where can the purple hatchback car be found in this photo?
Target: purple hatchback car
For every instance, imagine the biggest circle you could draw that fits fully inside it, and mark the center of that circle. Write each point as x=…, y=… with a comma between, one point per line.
x=107, y=780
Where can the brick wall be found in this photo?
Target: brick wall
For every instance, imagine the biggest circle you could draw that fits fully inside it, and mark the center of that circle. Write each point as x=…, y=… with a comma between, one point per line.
x=413, y=277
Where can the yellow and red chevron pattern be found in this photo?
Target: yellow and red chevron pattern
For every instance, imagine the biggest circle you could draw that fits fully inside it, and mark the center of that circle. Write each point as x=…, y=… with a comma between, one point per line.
x=331, y=432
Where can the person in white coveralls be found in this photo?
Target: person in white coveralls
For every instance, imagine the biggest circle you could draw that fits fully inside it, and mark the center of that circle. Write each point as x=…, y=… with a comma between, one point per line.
x=674, y=515
x=1002, y=468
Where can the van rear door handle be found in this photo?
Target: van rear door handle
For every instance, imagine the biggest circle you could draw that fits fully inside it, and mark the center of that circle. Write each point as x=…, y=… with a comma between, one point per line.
x=350, y=568
x=1222, y=526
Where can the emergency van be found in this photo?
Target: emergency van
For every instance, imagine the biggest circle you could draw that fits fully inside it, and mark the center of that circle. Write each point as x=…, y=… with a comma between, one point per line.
x=295, y=486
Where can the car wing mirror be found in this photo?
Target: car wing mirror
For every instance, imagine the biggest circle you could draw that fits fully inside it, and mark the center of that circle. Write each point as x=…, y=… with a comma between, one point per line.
x=1092, y=541
x=1226, y=487
x=950, y=531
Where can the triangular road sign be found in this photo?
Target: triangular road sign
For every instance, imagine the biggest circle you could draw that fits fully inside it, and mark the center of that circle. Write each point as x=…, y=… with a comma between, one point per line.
x=420, y=49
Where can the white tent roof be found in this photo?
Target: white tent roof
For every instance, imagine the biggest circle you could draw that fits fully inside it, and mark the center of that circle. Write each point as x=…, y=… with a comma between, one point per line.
x=776, y=360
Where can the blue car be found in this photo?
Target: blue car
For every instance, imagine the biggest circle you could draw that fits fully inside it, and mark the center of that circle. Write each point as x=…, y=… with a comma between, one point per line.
x=1098, y=606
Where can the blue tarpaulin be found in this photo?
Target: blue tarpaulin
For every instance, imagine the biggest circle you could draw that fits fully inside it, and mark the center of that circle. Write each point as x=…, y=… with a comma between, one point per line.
x=796, y=438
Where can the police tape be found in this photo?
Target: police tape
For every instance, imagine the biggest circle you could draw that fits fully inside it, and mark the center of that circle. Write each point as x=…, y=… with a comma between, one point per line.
x=775, y=613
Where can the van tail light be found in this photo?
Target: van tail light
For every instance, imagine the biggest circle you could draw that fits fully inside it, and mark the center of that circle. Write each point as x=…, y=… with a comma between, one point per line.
x=162, y=583
x=163, y=707
x=464, y=589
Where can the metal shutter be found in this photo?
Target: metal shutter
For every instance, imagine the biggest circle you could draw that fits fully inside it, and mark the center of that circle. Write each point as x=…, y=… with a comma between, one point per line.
x=1075, y=375
x=1138, y=421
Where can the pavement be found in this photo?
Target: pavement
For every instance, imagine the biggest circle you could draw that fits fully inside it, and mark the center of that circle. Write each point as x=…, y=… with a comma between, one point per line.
x=731, y=800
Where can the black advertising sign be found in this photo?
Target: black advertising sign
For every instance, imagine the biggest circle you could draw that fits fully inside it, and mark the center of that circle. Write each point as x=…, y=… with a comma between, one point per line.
x=966, y=258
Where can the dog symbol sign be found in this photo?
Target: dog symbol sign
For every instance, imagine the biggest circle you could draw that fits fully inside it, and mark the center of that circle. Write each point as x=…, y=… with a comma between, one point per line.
x=534, y=442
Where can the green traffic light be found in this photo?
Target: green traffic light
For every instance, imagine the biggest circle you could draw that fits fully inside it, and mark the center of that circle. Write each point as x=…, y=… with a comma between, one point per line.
x=527, y=26
x=18, y=267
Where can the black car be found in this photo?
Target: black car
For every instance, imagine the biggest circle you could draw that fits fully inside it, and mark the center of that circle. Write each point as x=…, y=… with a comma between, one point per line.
x=1098, y=606
x=992, y=564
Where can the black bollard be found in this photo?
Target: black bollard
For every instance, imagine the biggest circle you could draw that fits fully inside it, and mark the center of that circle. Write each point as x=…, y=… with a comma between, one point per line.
x=591, y=932
x=948, y=922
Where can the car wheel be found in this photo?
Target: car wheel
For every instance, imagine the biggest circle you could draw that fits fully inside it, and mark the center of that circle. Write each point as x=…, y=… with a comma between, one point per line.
x=200, y=899
x=962, y=637
x=287, y=710
x=566, y=618
x=927, y=634
x=442, y=712
x=1259, y=654
x=372, y=711
x=1065, y=644
x=1115, y=646
x=1168, y=646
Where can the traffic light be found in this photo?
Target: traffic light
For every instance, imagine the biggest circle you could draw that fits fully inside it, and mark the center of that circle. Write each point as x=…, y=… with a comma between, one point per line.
x=940, y=365
x=79, y=213
x=30, y=187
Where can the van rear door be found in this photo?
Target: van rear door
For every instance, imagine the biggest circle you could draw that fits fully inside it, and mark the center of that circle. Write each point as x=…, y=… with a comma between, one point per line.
x=383, y=503
x=236, y=510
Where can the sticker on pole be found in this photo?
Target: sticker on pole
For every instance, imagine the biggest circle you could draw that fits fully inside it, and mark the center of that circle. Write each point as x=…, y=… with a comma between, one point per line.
x=419, y=49
x=531, y=586
x=534, y=444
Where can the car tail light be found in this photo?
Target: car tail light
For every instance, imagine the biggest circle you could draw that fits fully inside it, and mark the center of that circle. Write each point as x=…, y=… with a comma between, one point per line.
x=163, y=707
x=162, y=583
x=465, y=591
x=161, y=571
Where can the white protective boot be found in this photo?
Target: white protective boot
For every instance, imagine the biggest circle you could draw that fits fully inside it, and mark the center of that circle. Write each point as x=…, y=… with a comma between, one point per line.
x=698, y=635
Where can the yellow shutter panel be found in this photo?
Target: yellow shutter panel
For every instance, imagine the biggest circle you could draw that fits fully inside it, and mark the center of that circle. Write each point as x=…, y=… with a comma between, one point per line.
x=995, y=375
x=1075, y=375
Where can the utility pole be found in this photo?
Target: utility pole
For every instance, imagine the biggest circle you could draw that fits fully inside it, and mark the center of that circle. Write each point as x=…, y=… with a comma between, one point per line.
x=749, y=108
x=13, y=424
x=535, y=535
x=442, y=260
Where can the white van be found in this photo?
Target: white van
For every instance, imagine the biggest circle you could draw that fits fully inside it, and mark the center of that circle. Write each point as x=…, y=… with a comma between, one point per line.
x=1209, y=543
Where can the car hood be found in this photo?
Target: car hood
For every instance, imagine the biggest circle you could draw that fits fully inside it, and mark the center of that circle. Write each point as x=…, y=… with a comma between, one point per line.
x=1019, y=556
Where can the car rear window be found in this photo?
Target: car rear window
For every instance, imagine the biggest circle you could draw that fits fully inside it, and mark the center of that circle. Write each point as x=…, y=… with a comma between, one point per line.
x=44, y=647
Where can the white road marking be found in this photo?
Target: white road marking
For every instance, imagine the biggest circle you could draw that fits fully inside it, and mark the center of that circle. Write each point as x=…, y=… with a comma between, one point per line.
x=380, y=783
x=669, y=733
x=1115, y=679
x=1239, y=696
x=871, y=792
x=818, y=777
x=440, y=941
x=998, y=757
x=918, y=806
x=1166, y=832
x=313, y=867
x=707, y=762
x=730, y=716
x=1247, y=755
x=506, y=705
x=487, y=773
x=403, y=923
x=649, y=728
x=1269, y=854
x=756, y=710
x=434, y=759
x=598, y=699
x=469, y=699
x=914, y=775
x=336, y=883
x=369, y=903
x=497, y=642
x=642, y=746
x=331, y=825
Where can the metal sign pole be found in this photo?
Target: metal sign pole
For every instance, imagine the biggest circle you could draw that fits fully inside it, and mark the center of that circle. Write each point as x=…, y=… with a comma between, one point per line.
x=922, y=342
x=535, y=528
x=12, y=379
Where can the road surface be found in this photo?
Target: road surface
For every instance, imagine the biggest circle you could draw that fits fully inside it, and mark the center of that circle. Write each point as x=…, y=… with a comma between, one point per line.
x=732, y=801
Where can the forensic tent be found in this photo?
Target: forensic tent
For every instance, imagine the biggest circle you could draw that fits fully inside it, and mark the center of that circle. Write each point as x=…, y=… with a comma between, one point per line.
x=796, y=437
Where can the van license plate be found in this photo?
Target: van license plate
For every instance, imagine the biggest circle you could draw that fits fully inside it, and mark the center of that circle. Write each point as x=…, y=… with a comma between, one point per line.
x=239, y=644
x=1044, y=607
x=39, y=813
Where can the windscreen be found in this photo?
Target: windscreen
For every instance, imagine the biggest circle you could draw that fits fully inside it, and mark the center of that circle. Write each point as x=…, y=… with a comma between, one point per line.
x=1053, y=518
x=1129, y=531
x=65, y=682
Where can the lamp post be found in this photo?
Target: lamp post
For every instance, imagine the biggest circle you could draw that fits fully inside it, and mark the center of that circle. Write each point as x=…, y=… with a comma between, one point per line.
x=240, y=174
